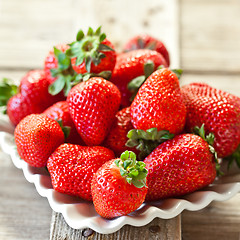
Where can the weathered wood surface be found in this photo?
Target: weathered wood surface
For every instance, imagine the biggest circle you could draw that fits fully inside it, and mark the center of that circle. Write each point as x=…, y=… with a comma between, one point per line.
x=23, y=213
x=210, y=36
x=156, y=230
x=29, y=28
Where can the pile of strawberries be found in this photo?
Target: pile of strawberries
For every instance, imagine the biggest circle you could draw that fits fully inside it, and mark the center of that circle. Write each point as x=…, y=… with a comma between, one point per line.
x=116, y=128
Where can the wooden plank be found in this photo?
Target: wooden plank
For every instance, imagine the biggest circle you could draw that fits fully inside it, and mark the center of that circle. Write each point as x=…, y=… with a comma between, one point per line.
x=29, y=28
x=157, y=229
x=23, y=213
x=220, y=220
x=210, y=35
x=226, y=82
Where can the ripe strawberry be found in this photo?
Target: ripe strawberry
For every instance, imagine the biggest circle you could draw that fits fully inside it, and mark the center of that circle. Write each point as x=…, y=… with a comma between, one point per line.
x=72, y=167
x=59, y=112
x=159, y=104
x=131, y=65
x=179, y=166
x=32, y=96
x=92, y=52
x=218, y=110
x=119, y=186
x=146, y=41
x=37, y=137
x=117, y=136
x=93, y=105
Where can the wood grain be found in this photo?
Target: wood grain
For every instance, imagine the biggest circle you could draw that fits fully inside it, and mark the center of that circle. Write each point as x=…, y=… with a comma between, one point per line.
x=157, y=229
x=220, y=220
x=30, y=28
x=210, y=35
x=23, y=213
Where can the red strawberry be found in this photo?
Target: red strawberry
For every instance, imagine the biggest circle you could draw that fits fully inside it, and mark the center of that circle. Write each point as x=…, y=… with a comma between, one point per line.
x=119, y=186
x=37, y=137
x=92, y=52
x=159, y=104
x=117, y=136
x=33, y=96
x=93, y=105
x=72, y=167
x=179, y=166
x=218, y=110
x=131, y=65
x=59, y=111
x=146, y=41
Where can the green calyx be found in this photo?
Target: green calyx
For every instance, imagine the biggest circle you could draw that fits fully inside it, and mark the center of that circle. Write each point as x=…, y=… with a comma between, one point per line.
x=137, y=82
x=67, y=77
x=7, y=90
x=88, y=48
x=66, y=129
x=210, y=140
x=234, y=157
x=177, y=71
x=132, y=170
x=64, y=74
x=147, y=141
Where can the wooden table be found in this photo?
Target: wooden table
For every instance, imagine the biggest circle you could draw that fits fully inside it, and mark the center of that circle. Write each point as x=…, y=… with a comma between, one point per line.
x=203, y=38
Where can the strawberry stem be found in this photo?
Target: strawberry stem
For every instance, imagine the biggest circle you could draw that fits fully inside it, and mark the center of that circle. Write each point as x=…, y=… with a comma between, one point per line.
x=132, y=170
x=147, y=141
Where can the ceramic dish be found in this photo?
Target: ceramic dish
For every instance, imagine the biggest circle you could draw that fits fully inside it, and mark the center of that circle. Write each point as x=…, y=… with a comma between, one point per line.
x=81, y=214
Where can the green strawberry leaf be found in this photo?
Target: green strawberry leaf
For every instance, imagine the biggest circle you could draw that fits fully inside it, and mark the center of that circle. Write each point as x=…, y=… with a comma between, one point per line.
x=57, y=86
x=88, y=48
x=149, y=68
x=133, y=171
x=234, y=157
x=66, y=129
x=200, y=131
x=136, y=83
x=7, y=90
x=147, y=141
x=178, y=72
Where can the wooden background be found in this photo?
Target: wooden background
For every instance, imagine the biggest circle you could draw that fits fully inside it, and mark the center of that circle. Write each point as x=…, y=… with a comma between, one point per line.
x=203, y=37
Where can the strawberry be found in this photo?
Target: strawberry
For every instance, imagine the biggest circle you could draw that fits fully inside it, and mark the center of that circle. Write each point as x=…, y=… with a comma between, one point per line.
x=36, y=138
x=145, y=41
x=32, y=96
x=218, y=110
x=179, y=166
x=59, y=112
x=131, y=65
x=93, y=105
x=117, y=136
x=92, y=52
x=119, y=186
x=159, y=104
x=72, y=167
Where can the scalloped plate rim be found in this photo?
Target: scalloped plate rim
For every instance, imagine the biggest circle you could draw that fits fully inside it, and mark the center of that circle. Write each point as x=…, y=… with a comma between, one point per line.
x=113, y=225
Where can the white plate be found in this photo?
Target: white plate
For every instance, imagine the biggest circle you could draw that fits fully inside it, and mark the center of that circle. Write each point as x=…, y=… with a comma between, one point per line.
x=81, y=214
